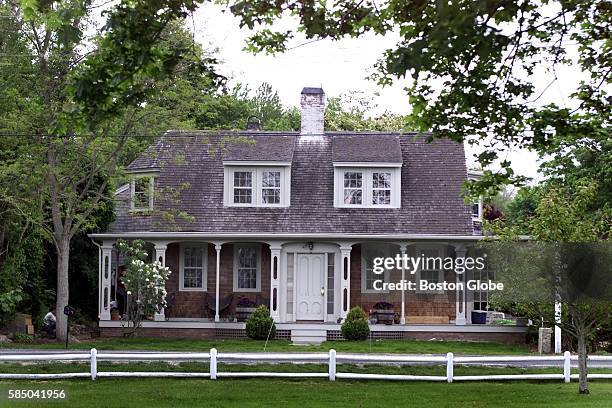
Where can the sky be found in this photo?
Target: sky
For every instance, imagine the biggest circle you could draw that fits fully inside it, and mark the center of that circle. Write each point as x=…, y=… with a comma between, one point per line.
x=339, y=67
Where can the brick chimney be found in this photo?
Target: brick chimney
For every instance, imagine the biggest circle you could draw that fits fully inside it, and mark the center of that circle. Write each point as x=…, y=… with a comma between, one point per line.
x=313, y=111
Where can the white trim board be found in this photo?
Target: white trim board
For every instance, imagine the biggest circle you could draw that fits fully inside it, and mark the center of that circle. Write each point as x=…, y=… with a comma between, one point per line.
x=303, y=236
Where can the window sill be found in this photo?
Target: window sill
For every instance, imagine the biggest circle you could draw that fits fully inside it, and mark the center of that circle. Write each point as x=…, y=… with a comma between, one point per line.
x=239, y=290
x=193, y=290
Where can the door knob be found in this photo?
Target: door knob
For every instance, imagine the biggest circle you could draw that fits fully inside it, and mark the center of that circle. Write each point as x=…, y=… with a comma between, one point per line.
x=322, y=291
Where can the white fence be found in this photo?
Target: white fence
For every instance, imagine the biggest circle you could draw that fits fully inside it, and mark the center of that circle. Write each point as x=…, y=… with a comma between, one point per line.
x=331, y=359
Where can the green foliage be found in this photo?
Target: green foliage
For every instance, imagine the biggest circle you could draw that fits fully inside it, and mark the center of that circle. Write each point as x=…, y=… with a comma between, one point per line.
x=23, y=338
x=355, y=326
x=473, y=64
x=8, y=304
x=259, y=325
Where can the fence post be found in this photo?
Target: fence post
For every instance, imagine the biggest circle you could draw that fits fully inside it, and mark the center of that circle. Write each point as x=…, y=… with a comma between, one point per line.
x=449, y=367
x=332, y=365
x=93, y=363
x=566, y=366
x=213, y=363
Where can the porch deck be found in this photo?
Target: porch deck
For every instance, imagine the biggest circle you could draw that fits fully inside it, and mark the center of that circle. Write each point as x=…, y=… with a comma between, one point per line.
x=204, y=328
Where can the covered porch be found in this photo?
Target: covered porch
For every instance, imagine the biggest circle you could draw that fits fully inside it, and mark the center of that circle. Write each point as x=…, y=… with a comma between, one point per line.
x=305, y=282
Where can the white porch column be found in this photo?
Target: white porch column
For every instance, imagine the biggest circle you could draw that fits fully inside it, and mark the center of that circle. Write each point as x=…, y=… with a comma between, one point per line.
x=557, y=328
x=217, y=274
x=160, y=255
x=403, y=315
x=460, y=304
x=345, y=280
x=275, y=251
x=105, y=280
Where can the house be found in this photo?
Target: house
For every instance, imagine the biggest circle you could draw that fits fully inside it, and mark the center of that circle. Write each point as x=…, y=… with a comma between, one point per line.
x=294, y=220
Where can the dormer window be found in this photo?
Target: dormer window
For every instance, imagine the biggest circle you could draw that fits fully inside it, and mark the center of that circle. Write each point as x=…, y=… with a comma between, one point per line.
x=243, y=187
x=142, y=191
x=367, y=187
x=257, y=186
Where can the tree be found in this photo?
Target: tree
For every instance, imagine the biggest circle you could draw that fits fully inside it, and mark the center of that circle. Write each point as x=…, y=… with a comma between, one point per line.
x=68, y=147
x=472, y=64
x=565, y=263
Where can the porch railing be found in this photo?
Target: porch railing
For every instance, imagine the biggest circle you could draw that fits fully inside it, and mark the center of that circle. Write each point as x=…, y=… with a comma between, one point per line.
x=331, y=359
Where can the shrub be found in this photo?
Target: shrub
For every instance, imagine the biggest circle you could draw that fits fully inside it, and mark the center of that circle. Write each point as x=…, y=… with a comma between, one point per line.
x=260, y=324
x=356, y=327
x=23, y=338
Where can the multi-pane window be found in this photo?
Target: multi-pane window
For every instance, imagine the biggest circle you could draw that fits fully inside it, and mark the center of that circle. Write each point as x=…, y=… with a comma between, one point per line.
x=381, y=188
x=271, y=187
x=247, y=268
x=367, y=187
x=193, y=271
x=481, y=297
x=243, y=187
x=257, y=186
x=142, y=193
x=353, y=187
x=431, y=265
x=368, y=276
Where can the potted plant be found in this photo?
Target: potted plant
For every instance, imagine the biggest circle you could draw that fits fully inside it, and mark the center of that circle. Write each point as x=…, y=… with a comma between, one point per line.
x=383, y=312
x=115, y=314
x=244, y=308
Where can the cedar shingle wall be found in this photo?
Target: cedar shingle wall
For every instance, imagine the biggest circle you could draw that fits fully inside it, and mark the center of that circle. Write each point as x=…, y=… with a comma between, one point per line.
x=193, y=304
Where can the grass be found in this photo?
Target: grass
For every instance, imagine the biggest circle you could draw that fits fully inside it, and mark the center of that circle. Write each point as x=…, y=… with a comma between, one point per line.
x=374, y=346
x=147, y=392
x=312, y=393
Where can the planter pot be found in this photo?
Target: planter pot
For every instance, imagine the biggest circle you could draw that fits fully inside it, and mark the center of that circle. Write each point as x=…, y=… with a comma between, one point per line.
x=479, y=317
x=243, y=313
x=384, y=316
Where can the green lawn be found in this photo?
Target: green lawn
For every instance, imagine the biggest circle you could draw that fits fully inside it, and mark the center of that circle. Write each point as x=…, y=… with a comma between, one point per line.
x=374, y=346
x=311, y=393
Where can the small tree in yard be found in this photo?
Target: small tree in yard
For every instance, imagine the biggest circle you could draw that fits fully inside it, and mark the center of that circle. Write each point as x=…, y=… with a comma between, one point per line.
x=569, y=262
x=145, y=284
x=356, y=327
x=260, y=326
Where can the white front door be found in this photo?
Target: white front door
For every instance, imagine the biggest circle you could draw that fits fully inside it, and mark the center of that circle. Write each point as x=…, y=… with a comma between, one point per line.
x=310, y=285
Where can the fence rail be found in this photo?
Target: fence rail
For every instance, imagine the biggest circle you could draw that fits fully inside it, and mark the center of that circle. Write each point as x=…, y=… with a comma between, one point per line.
x=331, y=359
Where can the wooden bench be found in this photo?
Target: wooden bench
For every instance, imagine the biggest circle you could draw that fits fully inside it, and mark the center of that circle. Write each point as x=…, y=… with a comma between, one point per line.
x=427, y=320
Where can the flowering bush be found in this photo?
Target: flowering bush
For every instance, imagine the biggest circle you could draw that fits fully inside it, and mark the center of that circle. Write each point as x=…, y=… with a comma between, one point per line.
x=246, y=302
x=145, y=284
x=383, y=306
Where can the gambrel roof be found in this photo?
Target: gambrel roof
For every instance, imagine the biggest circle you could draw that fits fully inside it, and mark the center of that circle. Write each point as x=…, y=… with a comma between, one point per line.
x=432, y=176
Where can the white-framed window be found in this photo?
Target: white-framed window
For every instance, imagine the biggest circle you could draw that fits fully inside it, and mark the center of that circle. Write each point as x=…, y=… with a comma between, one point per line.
x=242, y=192
x=477, y=210
x=353, y=188
x=368, y=277
x=381, y=188
x=142, y=189
x=367, y=187
x=247, y=268
x=193, y=271
x=431, y=267
x=481, y=297
x=257, y=186
x=271, y=187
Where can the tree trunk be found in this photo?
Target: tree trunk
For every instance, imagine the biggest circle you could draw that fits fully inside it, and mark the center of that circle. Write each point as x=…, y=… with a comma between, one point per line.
x=583, y=386
x=63, y=254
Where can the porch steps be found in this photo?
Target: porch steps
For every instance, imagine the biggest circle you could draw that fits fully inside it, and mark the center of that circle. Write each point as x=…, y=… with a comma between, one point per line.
x=308, y=336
